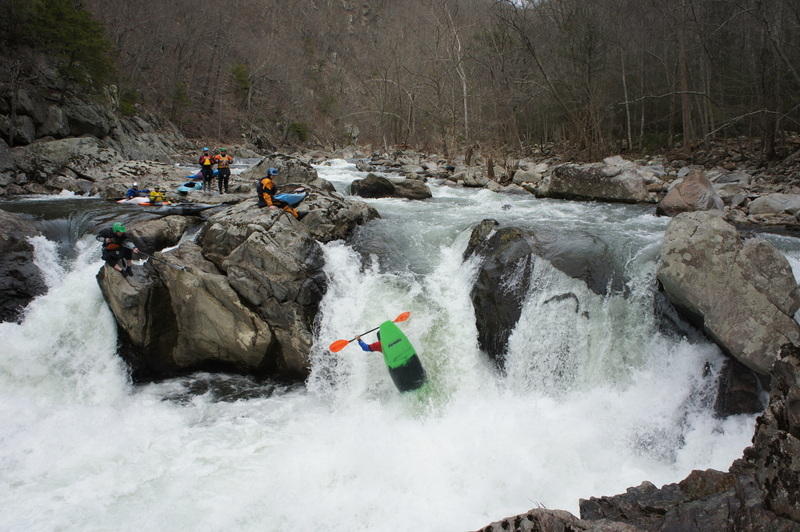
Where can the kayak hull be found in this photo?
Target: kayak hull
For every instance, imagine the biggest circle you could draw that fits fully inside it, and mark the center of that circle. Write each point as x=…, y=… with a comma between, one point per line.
x=292, y=198
x=401, y=359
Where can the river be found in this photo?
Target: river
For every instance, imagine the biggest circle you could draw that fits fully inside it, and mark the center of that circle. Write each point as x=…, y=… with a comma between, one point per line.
x=592, y=401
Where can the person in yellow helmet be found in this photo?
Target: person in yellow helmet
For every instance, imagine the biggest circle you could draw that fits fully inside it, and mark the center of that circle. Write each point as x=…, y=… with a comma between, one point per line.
x=207, y=169
x=156, y=196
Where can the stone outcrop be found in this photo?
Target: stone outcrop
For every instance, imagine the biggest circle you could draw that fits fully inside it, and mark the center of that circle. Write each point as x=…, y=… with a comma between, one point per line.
x=761, y=491
x=247, y=297
x=775, y=204
x=374, y=186
x=508, y=255
x=693, y=193
x=62, y=140
x=20, y=279
x=741, y=292
x=600, y=182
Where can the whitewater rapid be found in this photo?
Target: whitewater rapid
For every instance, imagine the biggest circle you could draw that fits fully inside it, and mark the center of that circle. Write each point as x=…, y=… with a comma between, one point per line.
x=592, y=402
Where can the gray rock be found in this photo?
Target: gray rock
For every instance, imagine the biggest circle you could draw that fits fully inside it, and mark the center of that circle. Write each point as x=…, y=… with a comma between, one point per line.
x=597, y=182
x=742, y=293
x=472, y=178
x=693, y=193
x=55, y=123
x=290, y=170
x=248, y=297
x=87, y=157
x=412, y=189
x=24, y=130
x=85, y=119
x=6, y=160
x=775, y=204
x=527, y=176
x=20, y=279
x=373, y=186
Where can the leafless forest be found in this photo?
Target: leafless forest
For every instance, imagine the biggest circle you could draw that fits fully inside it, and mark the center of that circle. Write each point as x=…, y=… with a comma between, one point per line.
x=442, y=75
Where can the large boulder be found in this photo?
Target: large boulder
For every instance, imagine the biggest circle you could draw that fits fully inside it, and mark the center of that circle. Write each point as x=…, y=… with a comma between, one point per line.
x=20, y=279
x=741, y=292
x=508, y=256
x=86, y=157
x=375, y=186
x=614, y=183
x=411, y=189
x=693, y=193
x=372, y=186
x=247, y=297
x=506, y=253
x=775, y=204
x=290, y=170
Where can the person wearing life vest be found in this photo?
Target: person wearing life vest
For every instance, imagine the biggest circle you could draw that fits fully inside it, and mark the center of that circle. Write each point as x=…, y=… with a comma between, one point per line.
x=118, y=249
x=156, y=196
x=133, y=192
x=265, y=189
x=224, y=162
x=207, y=169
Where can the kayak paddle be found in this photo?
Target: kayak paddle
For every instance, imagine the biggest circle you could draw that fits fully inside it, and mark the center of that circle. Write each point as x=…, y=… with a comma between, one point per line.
x=338, y=345
x=181, y=268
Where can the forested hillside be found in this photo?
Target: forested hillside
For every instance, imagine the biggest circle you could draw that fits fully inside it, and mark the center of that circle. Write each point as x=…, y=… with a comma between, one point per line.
x=442, y=75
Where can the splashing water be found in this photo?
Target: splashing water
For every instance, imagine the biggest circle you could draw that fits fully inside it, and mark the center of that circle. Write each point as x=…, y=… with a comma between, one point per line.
x=593, y=399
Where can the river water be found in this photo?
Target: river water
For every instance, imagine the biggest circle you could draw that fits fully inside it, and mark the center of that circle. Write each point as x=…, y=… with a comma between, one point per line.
x=594, y=398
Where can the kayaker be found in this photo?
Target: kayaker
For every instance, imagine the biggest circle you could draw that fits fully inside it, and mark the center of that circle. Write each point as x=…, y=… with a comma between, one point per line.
x=118, y=249
x=408, y=374
x=207, y=169
x=375, y=346
x=224, y=162
x=132, y=192
x=156, y=196
x=265, y=190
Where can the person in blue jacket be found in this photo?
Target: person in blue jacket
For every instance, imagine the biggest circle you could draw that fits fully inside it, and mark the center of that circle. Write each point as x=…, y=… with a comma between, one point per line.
x=374, y=346
x=135, y=192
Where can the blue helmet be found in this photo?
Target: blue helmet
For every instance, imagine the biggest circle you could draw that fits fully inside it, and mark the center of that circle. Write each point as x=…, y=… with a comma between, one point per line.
x=272, y=171
x=205, y=149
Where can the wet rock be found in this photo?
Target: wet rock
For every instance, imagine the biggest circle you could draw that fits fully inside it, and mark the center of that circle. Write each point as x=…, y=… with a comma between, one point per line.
x=20, y=279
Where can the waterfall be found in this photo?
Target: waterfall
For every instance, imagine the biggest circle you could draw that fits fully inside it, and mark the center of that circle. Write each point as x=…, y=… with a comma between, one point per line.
x=592, y=398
